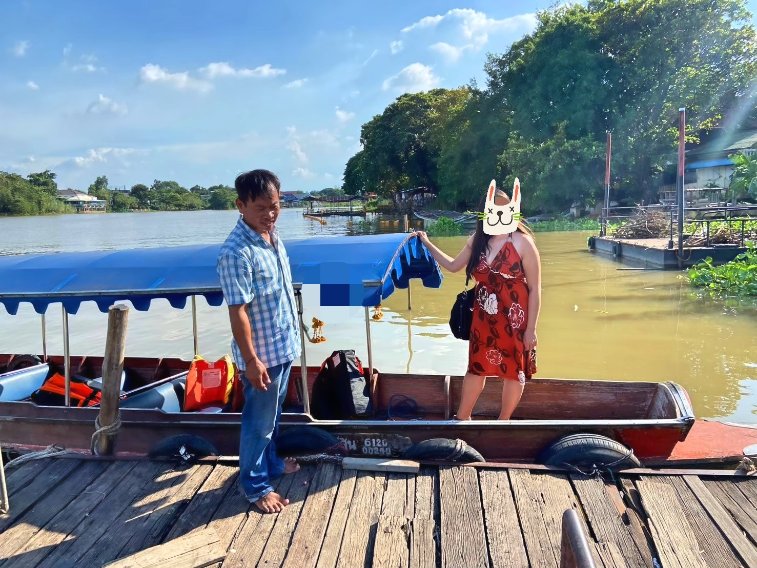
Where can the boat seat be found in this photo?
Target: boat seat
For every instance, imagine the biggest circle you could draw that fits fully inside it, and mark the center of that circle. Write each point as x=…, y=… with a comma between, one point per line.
x=97, y=383
x=20, y=384
x=167, y=396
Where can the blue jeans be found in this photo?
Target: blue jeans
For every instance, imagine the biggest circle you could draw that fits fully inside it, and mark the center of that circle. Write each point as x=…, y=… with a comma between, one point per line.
x=258, y=461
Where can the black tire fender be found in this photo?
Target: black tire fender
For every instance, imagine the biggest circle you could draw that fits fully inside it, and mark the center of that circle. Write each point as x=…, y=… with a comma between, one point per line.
x=23, y=361
x=443, y=449
x=302, y=440
x=187, y=448
x=588, y=450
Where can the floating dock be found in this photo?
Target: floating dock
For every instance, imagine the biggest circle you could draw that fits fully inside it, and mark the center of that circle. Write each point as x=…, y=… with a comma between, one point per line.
x=90, y=512
x=659, y=253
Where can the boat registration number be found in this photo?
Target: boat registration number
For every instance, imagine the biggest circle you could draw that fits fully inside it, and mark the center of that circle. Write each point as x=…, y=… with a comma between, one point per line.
x=385, y=445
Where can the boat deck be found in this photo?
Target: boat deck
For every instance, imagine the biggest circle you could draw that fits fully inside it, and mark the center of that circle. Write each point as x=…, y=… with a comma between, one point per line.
x=87, y=512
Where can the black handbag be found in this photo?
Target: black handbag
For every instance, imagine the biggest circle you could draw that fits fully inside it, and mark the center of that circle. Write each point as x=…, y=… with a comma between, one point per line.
x=461, y=316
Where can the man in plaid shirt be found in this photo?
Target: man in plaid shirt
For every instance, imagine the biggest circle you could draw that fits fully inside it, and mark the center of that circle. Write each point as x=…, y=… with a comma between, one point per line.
x=257, y=285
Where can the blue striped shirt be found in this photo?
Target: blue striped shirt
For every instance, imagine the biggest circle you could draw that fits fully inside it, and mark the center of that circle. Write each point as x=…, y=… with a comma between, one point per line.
x=255, y=273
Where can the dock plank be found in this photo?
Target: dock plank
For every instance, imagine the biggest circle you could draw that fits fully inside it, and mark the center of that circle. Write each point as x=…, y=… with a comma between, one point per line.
x=281, y=535
x=734, y=496
x=394, y=503
x=314, y=519
x=24, y=528
x=360, y=529
x=18, y=477
x=332, y=540
x=506, y=545
x=719, y=514
x=391, y=549
x=58, y=529
x=423, y=545
x=198, y=548
x=605, y=513
x=205, y=502
x=34, y=490
x=462, y=531
x=674, y=538
x=425, y=502
x=89, y=529
x=158, y=523
x=252, y=537
x=715, y=550
x=541, y=499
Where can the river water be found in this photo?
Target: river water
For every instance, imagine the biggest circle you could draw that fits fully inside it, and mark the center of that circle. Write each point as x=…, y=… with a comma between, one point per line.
x=599, y=319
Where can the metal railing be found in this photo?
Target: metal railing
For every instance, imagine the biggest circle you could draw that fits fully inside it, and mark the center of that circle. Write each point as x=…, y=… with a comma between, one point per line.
x=574, y=548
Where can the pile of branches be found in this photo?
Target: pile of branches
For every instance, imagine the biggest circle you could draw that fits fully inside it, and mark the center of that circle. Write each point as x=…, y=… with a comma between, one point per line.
x=723, y=235
x=644, y=224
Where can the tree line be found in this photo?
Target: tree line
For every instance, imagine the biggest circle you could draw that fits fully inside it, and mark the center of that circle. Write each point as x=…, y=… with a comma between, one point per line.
x=37, y=195
x=624, y=66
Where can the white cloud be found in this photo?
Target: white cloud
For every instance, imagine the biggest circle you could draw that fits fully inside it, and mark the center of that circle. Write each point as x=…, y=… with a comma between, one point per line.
x=303, y=173
x=343, y=115
x=473, y=28
x=413, y=78
x=151, y=73
x=32, y=86
x=296, y=84
x=373, y=54
x=396, y=46
x=101, y=156
x=20, y=48
x=67, y=49
x=427, y=22
x=450, y=53
x=87, y=64
x=223, y=69
x=104, y=105
x=294, y=145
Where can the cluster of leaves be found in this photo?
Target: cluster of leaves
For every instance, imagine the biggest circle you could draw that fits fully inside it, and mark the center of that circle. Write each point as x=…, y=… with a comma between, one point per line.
x=444, y=227
x=735, y=278
x=744, y=177
x=164, y=196
x=34, y=195
x=625, y=67
x=553, y=225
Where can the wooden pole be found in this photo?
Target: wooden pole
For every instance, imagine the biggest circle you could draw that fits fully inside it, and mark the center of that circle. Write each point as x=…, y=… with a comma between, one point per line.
x=113, y=365
x=5, y=506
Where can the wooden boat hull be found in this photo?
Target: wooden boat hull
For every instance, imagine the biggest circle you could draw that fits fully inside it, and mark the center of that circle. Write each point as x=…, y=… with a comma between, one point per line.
x=650, y=418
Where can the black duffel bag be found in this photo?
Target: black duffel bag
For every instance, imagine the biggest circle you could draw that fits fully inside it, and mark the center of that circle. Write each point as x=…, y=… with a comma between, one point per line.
x=341, y=390
x=461, y=316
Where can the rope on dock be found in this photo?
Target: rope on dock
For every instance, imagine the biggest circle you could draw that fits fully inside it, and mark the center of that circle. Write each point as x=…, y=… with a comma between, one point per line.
x=109, y=430
x=50, y=451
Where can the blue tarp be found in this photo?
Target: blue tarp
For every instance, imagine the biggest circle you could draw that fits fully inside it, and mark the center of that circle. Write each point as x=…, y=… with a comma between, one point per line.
x=709, y=164
x=351, y=271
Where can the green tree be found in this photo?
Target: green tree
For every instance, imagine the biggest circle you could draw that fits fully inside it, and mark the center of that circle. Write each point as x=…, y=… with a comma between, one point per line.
x=100, y=188
x=45, y=181
x=222, y=197
x=744, y=177
x=121, y=202
x=142, y=194
x=19, y=196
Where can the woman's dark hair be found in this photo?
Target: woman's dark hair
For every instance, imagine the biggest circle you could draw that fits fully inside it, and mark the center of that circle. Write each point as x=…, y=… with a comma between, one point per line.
x=256, y=183
x=480, y=244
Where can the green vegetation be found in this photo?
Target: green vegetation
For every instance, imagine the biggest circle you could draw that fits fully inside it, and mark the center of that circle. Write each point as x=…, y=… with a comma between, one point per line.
x=445, y=227
x=744, y=178
x=551, y=97
x=735, y=278
x=32, y=196
x=582, y=224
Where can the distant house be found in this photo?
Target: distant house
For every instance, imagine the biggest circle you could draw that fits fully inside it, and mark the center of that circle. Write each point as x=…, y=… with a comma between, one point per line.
x=709, y=168
x=292, y=198
x=82, y=202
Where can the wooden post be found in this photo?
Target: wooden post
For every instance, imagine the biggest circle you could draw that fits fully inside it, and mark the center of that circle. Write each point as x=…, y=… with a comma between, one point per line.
x=113, y=364
x=5, y=506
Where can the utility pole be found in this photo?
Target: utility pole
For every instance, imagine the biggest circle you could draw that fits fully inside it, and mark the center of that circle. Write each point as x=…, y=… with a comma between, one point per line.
x=680, y=181
x=606, y=207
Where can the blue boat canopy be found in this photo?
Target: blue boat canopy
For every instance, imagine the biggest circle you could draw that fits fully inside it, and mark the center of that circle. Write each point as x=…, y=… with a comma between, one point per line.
x=351, y=271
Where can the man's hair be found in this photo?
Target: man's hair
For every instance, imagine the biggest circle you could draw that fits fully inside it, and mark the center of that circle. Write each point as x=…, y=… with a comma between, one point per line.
x=256, y=183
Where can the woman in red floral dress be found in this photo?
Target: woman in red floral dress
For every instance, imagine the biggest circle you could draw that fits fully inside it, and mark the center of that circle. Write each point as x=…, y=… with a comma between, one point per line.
x=507, y=271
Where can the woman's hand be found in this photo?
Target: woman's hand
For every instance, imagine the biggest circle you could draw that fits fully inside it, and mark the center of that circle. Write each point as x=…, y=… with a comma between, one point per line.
x=422, y=236
x=529, y=340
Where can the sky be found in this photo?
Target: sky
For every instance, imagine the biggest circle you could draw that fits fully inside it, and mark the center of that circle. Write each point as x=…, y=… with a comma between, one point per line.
x=199, y=91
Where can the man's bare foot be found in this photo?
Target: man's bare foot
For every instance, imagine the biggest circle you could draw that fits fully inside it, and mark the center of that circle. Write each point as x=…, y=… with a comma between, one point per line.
x=291, y=465
x=271, y=503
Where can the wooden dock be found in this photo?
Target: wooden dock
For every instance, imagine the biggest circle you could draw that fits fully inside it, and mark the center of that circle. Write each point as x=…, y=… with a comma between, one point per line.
x=87, y=512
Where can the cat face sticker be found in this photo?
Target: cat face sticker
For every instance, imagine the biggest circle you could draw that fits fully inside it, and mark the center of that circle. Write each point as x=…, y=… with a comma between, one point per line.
x=501, y=219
